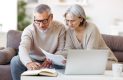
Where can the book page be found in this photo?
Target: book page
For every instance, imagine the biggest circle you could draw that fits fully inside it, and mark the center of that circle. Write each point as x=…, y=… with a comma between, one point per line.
x=48, y=72
x=31, y=72
x=56, y=59
x=43, y=72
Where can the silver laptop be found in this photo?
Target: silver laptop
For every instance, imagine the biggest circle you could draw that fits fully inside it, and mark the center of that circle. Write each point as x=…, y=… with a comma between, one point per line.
x=86, y=62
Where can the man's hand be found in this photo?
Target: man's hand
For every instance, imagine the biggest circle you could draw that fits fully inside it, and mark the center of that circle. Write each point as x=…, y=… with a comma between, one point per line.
x=46, y=64
x=33, y=66
x=64, y=61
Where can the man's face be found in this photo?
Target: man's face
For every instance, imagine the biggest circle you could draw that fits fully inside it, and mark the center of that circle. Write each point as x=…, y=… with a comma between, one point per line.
x=42, y=20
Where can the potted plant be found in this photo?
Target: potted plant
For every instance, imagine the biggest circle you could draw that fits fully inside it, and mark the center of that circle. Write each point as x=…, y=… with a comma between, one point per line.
x=23, y=20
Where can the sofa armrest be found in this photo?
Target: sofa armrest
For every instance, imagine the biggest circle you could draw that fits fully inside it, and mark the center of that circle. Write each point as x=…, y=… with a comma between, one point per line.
x=6, y=55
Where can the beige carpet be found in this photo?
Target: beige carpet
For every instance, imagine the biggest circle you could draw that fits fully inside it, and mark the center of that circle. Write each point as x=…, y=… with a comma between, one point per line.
x=2, y=39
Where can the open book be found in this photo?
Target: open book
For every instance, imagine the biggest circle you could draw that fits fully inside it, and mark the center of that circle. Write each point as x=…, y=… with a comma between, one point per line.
x=56, y=59
x=41, y=72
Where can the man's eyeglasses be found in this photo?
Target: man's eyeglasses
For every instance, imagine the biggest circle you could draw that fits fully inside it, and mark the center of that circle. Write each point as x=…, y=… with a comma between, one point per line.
x=45, y=21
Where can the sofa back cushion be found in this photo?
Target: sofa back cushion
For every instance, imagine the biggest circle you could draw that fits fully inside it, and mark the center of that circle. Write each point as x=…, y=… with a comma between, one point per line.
x=115, y=43
x=13, y=39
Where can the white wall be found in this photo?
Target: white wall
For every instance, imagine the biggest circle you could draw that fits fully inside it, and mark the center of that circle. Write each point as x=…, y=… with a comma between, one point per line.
x=8, y=15
x=104, y=12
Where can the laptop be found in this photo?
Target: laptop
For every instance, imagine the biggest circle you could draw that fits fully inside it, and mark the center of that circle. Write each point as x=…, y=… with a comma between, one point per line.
x=86, y=62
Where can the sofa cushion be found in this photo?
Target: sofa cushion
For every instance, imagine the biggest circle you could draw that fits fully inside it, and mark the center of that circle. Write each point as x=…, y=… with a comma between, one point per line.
x=5, y=72
x=115, y=43
x=1, y=48
x=119, y=55
x=6, y=55
x=13, y=39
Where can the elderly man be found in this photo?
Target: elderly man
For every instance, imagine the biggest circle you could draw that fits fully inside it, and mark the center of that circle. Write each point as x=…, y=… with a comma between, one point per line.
x=42, y=33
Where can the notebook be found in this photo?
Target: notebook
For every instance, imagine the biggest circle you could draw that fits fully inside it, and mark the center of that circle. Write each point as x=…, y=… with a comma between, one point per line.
x=86, y=62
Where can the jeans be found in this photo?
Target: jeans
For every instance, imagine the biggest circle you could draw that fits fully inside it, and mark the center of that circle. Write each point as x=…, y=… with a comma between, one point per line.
x=17, y=68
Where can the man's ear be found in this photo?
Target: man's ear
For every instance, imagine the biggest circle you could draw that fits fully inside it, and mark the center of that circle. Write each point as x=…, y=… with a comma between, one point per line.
x=51, y=15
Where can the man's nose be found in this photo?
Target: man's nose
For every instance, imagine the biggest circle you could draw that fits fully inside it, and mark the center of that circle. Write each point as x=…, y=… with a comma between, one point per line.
x=41, y=24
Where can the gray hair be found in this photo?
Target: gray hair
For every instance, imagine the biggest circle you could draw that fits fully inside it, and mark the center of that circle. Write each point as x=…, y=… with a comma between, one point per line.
x=42, y=8
x=77, y=10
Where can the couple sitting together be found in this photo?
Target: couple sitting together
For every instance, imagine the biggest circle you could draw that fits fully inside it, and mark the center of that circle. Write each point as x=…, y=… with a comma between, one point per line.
x=52, y=36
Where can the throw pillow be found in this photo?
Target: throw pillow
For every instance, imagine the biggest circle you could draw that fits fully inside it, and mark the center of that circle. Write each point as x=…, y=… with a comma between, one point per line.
x=1, y=48
x=6, y=55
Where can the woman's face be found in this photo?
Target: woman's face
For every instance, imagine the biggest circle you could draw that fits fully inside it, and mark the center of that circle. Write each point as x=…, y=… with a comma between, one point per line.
x=72, y=21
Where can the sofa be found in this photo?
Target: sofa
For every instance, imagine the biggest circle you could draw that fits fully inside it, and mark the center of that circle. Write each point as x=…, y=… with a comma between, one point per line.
x=6, y=54
x=115, y=43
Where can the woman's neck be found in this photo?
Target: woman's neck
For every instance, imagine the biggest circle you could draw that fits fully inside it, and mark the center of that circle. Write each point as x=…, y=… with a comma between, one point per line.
x=79, y=29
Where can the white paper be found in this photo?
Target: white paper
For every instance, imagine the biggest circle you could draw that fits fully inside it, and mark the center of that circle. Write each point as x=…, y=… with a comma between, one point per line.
x=56, y=59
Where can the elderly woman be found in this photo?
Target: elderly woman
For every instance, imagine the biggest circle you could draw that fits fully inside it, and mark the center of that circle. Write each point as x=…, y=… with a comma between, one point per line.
x=82, y=34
